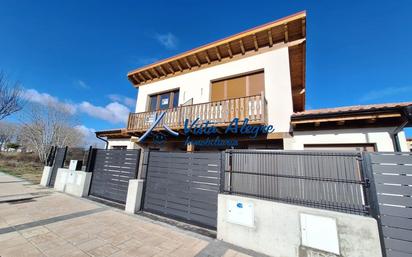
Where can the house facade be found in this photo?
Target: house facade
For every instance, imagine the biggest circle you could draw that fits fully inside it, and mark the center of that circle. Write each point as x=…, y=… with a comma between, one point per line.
x=247, y=91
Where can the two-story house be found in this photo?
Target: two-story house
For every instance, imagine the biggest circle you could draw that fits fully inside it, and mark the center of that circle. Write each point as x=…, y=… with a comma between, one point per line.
x=248, y=91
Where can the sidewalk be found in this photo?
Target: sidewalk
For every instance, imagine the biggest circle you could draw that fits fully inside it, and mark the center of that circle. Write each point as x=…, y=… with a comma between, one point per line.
x=36, y=221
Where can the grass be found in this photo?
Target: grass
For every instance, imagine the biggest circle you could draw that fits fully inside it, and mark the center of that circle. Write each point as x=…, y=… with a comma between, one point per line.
x=23, y=165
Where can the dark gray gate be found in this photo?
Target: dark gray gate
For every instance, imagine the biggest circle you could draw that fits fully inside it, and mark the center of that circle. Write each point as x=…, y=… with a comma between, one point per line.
x=392, y=175
x=59, y=158
x=112, y=169
x=184, y=186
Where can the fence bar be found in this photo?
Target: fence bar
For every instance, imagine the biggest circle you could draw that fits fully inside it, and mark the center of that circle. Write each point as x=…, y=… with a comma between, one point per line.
x=329, y=180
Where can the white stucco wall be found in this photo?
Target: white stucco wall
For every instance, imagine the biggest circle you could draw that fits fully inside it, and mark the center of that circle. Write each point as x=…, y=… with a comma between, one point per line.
x=276, y=229
x=379, y=136
x=122, y=142
x=402, y=140
x=196, y=85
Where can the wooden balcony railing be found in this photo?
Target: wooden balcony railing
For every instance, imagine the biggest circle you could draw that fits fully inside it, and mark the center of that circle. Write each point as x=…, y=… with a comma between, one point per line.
x=219, y=113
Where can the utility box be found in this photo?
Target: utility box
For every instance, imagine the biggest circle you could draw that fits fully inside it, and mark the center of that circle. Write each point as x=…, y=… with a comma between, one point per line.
x=75, y=165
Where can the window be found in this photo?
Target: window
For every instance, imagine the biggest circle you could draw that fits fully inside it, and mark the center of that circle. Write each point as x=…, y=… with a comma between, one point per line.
x=164, y=100
x=240, y=86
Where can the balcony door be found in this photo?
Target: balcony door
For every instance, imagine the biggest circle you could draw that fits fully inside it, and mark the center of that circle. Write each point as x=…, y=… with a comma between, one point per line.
x=236, y=87
x=164, y=100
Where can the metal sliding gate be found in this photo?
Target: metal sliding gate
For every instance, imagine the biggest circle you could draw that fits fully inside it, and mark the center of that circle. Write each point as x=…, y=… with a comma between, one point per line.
x=59, y=158
x=392, y=192
x=184, y=186
x=111, y=171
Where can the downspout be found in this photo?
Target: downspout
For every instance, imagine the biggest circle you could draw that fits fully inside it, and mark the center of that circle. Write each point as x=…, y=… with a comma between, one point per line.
x=104, y=140
x=407, y=119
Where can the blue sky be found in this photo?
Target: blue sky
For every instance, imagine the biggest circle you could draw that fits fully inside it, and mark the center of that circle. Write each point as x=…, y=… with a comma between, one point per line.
x=79, y=52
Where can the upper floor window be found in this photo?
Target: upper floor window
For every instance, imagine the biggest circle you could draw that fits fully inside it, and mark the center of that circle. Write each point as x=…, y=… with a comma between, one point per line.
x=164, y=100
x=239, y=86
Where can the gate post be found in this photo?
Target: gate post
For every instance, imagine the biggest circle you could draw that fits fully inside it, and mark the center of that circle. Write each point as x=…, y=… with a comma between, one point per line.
x=91, y=159
x=222, y=171
x=372, y=196
x=47, y=170
x=135, y=190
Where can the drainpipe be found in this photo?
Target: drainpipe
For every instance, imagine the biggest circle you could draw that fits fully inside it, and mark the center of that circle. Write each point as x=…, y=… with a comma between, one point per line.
x=104, y=140
x=407, y=118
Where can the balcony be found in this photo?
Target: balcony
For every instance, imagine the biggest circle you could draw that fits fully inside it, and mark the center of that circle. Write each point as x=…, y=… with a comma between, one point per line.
x=220, y=113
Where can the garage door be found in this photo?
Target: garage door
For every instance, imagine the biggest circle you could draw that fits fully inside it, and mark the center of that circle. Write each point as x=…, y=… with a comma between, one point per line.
x=184, y=186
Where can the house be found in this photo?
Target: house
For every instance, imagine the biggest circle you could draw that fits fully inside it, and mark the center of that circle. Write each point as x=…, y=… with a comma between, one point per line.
x=248, y=91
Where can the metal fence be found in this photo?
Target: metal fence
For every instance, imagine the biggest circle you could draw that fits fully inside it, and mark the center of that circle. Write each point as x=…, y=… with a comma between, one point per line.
x=328, y=180
x=77, y=153
x=72, y=153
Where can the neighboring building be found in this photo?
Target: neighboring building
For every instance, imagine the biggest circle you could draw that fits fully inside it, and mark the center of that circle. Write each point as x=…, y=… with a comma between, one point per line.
x=409, y=142
x=257, y=76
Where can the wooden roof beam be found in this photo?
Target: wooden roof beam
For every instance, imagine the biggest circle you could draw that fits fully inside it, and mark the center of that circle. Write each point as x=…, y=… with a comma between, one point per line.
x=242, y=47
x=371, y=121
x=275, y=24
x=136, y=78
x=229, y=50
x=149, y=75
x=303, y=27
x=255, y=42
x=156, y=73
x=188, y=63
x=170, y=68
x=162, y=70
x=207, y=57
x=197, y=60
x=285, y=29
x=141, y=76
x=218, y=54
x=270, y=38
x=178, y=65
x=298, y=91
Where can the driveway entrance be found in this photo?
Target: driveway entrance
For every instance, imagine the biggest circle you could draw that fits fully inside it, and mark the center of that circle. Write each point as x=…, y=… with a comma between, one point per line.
x=184, y=186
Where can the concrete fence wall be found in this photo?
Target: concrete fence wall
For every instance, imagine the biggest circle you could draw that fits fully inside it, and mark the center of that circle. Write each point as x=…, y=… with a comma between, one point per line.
x=284, y=230
x=74, y=182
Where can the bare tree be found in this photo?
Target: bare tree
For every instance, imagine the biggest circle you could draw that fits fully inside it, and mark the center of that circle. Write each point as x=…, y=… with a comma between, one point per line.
x=10, y=97
x=44, y=126
x=8, y=133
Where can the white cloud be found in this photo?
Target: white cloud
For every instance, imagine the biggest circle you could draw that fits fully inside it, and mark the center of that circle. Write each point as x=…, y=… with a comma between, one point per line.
x=385, y=92
x=122, y=99
x=90, y=136
x=85, y=130
x=168, y=40
x=82, y=84
x=113, y=112
x=34, y=96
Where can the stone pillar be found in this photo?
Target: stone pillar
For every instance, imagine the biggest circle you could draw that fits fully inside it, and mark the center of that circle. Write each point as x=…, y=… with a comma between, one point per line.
x=134, y=196
x=45, y=178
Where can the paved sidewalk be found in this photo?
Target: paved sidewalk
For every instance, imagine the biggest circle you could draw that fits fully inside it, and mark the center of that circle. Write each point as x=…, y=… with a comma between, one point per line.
x=36, y=221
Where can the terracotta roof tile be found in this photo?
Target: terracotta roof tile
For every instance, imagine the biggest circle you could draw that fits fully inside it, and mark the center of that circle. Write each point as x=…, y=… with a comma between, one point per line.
x=354, y=108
